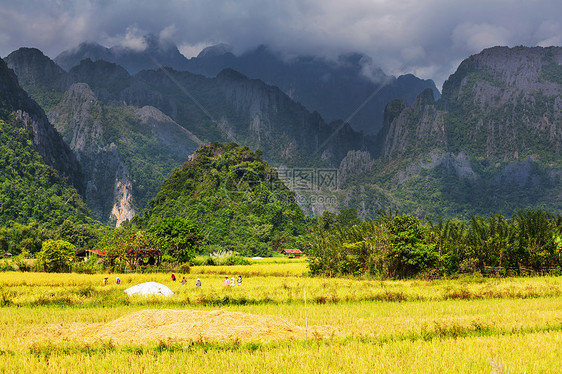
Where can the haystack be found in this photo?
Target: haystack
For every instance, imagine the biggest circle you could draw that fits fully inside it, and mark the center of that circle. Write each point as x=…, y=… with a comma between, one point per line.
x=149, y=288
x=150, y=326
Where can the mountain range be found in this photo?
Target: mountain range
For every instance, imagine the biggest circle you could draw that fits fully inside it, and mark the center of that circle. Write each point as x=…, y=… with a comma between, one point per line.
x=490, y=144
x=131, y=131
x=350, y=88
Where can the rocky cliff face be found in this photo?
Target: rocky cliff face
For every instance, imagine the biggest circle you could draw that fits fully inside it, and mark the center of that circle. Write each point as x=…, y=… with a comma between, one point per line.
x=115, y=146
x=413, y=128
x=178, y=140
x=33, y=68
x=48, y=143
x=102, y=105
x=230, y=107
x=355, y=163
x=122, y=208
x=284, y=130
x=79, y=118
x=336, y=89
x=506, y=103
x=155, y=53
x=490, y=144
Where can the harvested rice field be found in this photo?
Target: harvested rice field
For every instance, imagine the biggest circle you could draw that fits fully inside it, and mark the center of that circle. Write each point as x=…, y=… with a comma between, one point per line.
x=180, y=326
x=52, y=323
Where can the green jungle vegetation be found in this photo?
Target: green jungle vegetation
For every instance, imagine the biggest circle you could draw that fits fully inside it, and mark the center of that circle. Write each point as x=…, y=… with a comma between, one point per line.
x=402, y=247
x=227, y=199
x=234, y=197
x=436, y=193
x=336, y=245
x=31, y=191
x=226, y=202
x=46, y=97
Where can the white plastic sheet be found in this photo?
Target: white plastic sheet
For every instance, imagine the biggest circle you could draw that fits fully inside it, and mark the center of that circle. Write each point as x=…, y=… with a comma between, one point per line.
x=148, y=289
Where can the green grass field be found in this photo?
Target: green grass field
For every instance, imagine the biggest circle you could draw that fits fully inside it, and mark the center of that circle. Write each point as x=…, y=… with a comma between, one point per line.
x=470, y=324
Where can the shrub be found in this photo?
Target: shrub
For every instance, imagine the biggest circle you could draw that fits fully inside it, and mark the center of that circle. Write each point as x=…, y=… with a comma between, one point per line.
x=410, y=253
x=90, y=266
x=56, y=255
x=6, y=266
x=185, y=268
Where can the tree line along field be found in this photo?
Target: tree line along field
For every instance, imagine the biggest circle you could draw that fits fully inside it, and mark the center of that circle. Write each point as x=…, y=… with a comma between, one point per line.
x=468, y=324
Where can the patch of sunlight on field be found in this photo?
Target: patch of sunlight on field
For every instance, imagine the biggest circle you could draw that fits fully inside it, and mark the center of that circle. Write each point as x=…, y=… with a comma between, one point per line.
x=28, y=289
x=529, y=353
x=374, y=321
x=469, y=324
x=276, y=266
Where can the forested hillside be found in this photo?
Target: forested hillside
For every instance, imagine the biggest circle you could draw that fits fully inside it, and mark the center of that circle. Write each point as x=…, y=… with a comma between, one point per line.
x=20, y=110
x=126, y=152
x=491, y=144
x=234, y=197
x=36, y=166
x=31, y=191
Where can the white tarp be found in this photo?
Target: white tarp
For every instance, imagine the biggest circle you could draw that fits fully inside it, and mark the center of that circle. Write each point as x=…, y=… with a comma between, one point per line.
x=149, y=288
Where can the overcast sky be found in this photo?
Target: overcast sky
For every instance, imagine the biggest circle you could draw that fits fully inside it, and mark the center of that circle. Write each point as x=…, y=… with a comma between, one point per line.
x=428, y=38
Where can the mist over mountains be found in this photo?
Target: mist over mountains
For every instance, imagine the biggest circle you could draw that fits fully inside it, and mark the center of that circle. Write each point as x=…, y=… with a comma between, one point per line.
x=351, y=88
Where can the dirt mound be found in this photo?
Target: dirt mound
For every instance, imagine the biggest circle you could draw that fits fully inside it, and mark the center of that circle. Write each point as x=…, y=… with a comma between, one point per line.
x=188, y=325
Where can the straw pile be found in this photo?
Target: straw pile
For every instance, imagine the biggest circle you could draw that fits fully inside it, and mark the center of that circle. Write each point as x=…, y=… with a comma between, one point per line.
x=157, y=325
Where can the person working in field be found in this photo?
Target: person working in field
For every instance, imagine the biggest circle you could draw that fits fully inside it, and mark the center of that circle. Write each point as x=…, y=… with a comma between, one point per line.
x=118, y=281
x=226, y=281
x=198, y=283
x=239, y=280
x=183, y=281
x=105, y=280
x=173, y=277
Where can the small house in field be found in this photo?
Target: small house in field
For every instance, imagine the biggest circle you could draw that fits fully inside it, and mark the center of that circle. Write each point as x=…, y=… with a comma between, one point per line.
x=292, y=253
x=99, y=253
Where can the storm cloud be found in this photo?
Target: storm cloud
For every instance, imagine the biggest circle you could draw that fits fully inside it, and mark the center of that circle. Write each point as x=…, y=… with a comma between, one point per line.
x=427, y=38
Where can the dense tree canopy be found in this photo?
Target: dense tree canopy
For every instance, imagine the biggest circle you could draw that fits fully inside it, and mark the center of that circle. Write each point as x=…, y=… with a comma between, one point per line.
x=56, y=255
x=233, y=196
x=31, y=191
x=400, y=246
x=177, y=238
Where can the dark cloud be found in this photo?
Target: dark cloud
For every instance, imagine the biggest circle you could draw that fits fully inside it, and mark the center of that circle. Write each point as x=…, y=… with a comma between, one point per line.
x=428, y=38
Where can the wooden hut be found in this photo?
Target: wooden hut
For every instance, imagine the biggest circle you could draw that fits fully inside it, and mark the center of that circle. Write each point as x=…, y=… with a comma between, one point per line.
x=292, y=253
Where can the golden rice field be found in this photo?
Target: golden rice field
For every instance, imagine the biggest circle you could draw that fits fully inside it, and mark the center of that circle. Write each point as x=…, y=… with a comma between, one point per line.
x=73, y=323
